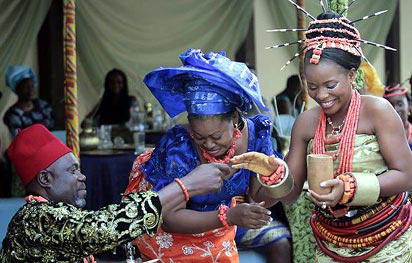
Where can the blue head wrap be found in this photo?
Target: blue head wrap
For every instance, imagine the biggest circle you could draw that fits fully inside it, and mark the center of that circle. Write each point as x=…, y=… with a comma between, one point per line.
x=15, y=74
x=205, y=85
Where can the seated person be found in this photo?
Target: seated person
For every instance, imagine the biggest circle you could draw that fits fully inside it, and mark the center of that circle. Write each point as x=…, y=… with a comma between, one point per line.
x=293, y=92
x=114, y=106
x=213, y=90
x=51, y=227
x=285, y=120
x=28, y=109
x=400, y=98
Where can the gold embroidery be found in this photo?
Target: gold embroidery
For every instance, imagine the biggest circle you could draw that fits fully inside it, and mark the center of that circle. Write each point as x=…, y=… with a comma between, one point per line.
x=57, y=232
x=149, y=220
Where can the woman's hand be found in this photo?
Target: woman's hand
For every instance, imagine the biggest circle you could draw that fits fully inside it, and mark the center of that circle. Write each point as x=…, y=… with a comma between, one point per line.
x=331, y=199
x=252, y=216
x=256, y=162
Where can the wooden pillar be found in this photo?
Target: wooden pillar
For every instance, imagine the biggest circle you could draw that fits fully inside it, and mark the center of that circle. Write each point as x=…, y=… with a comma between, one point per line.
x=70, y=76
x=301, y=18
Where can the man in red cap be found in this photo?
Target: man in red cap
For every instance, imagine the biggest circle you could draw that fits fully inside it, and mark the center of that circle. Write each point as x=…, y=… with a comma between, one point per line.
x=50, y=227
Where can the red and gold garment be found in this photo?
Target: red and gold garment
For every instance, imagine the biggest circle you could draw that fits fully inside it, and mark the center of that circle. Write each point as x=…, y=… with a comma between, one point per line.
x=214, y=246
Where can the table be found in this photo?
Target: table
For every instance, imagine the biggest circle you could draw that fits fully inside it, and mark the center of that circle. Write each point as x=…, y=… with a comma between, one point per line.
x=107, y=175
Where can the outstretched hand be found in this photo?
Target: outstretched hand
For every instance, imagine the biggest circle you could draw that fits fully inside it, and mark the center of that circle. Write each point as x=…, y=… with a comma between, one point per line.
x=256, y=162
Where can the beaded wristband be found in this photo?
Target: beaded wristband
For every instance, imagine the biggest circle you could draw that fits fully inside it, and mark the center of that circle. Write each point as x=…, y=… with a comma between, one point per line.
x=222, y=215
x=350, y=188
x=282, y=183
x=275, y=177
x=184, y=190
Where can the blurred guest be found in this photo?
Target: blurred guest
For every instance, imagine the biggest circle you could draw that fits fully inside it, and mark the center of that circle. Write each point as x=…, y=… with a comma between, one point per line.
x=293, y=93
x=284, y=120
x=114, y=106
x=400, y=99
x=28, y=109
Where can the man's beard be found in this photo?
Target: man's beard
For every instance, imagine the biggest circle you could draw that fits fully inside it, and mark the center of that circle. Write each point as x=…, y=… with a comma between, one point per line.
x=80, y=203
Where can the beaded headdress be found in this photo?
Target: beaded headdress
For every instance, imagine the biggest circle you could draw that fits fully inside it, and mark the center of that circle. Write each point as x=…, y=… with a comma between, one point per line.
x=347, y=38
x=397, y=90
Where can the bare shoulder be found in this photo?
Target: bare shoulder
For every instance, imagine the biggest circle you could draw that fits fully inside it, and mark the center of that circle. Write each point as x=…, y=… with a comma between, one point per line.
x=378, y=112
x=306, y=123
x=373, y=104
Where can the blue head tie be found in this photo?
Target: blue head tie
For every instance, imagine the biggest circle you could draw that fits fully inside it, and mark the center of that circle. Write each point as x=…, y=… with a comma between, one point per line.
x=15, y=74
x=202, y=98
x=205, y=85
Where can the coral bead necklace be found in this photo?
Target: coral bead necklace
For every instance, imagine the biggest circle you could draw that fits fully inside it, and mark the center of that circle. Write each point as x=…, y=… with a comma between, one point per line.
x=229, y=153
x=346, y=137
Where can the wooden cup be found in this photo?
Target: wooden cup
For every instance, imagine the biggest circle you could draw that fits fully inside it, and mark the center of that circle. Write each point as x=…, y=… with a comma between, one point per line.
x=319, y=169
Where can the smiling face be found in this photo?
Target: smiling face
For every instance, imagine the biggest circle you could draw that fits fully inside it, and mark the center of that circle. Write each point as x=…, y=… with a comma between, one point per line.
x=68, y=183
x=330, y=85
x=212, y=134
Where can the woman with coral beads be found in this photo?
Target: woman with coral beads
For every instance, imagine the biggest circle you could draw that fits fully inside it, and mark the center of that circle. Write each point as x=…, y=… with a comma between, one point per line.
x=213, y=90
x=367, y=215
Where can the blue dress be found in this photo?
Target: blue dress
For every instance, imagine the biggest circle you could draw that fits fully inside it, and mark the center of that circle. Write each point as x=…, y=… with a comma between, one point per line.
x=175, y=156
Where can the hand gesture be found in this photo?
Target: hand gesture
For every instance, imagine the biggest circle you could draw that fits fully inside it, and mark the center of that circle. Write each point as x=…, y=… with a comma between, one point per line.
x=206, y=178
x=252, y=216
x=256, y=162
x=331, y=199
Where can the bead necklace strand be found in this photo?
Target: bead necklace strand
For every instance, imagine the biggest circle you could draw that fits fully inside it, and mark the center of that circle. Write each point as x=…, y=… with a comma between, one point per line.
x=347, y=137
x=229, y=153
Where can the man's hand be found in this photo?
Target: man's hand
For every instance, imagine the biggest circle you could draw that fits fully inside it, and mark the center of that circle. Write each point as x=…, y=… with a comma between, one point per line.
x=206, y=178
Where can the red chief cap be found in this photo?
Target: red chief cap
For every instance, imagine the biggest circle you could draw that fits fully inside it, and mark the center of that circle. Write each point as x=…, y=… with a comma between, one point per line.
x=34, y=149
